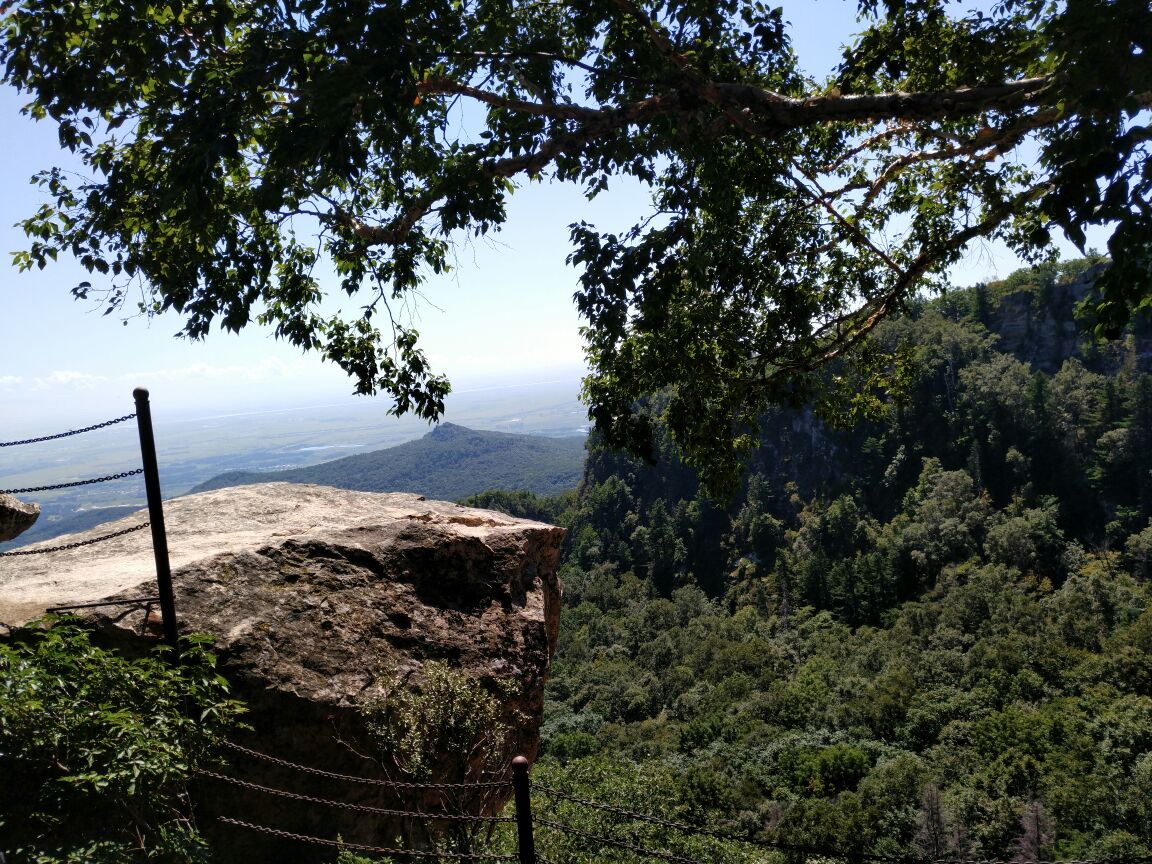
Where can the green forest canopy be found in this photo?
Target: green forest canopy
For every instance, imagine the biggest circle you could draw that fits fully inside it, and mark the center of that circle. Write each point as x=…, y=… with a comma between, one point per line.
x=233, y=143
x=928, y=636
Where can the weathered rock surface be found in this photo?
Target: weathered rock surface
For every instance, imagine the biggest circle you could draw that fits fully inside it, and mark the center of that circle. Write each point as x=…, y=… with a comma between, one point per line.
x=16, y=517
x=1041, y=328
x=313, y=595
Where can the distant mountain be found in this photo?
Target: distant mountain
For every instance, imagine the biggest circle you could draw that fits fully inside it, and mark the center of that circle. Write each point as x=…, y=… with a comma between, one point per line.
x=449, y=463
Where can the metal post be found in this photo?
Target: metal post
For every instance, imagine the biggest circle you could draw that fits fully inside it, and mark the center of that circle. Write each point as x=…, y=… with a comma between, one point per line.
x=156, y=517
x=526, y=844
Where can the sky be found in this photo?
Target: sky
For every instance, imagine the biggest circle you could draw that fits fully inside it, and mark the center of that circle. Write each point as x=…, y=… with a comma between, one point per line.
x=505, y=315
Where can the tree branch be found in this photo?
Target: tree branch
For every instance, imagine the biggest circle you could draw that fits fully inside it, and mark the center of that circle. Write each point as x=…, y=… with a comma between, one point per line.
x=853, y=230
x=561, y=111
x=560, y=142
x=536, y=55
x=990, y=144
x=792, y=113
x=852, y=328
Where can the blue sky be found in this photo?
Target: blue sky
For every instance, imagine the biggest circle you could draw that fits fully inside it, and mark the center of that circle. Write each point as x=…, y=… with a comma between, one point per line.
x=505, y=313
x=506, y=308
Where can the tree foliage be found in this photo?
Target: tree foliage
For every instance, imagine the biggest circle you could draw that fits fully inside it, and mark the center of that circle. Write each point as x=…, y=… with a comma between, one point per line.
x=926, y=636
x=233, y=144
x=96, y=749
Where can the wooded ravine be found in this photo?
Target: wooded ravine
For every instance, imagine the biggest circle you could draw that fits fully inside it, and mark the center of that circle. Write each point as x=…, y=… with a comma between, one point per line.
x=927, y=635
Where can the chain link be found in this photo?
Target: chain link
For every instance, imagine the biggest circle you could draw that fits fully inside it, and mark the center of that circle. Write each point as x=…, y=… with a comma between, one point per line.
x=360, y=847
x=788, y=847
x=395, y=784
x=619, y=844
x=361, y=808
x=718, y=835
x=119, y=476
x=75, y=545
x=66, y=434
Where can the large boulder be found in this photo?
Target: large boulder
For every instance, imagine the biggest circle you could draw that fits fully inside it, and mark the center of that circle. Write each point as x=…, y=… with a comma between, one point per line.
x=314, y=596
x=16, y=517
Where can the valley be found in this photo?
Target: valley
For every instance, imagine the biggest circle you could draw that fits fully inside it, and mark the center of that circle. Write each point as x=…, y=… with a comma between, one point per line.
x=925, y=636
x=193, y=449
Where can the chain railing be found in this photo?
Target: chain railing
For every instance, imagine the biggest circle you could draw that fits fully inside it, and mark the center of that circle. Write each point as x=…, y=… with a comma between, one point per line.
x=351, y=778
x=127, y=601
x=92, y=428
x=122, y=475
x=364, y=808
x=143, y=415
x=361, y=847
x=403, y=790
x=526, y=823
x=64, y=547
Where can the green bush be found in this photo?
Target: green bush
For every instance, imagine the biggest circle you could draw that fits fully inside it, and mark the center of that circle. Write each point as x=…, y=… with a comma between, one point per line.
x=96, y=748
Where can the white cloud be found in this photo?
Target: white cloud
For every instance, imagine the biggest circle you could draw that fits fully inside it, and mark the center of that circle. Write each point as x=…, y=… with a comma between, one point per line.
x=67, y=378
x=269, y=368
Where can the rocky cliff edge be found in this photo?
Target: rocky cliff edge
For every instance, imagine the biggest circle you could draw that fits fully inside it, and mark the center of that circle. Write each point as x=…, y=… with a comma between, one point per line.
x=312, y=595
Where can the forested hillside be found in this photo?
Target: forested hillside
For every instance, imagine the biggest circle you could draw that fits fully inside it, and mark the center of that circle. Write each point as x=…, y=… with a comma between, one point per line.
x=448, y=463
x=929, y=634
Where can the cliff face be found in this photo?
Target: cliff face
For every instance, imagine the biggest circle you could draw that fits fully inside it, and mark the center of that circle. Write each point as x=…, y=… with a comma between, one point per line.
x=1042, y=335
x=1040, y=328
x=314, y=595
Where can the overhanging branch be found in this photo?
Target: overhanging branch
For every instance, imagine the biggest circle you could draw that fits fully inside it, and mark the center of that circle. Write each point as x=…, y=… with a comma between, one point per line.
x=794, y=113
x=849, y=330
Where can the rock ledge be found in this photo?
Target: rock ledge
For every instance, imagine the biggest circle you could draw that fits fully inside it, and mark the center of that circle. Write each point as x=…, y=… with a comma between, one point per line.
x=313, y=595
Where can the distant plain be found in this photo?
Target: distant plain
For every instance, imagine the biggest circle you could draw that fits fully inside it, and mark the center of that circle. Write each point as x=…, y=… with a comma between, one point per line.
x=193, y=449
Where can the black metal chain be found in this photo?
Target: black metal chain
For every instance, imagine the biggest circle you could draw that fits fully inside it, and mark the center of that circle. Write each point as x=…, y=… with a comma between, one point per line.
x=629, y=814
x=718, y=835
x=619, y=844
x=788, y=847
x=360, y=847
x=119, y=476
x=131, y=601
x=395, y=784
x=361, y=808
x=76, y=545
x=66, y=434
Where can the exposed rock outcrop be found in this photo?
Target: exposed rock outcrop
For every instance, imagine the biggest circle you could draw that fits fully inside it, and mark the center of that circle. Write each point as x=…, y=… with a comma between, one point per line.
x=1040, y=327
x=16, y=517
x=312, y=594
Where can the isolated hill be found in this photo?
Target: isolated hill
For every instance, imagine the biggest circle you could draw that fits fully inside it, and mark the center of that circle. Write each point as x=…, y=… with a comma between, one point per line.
x=449, y=463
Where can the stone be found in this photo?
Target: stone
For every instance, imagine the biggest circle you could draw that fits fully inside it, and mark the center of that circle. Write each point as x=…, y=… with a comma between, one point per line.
x=1042, y=328
x=314, y=596
x=16, y=517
